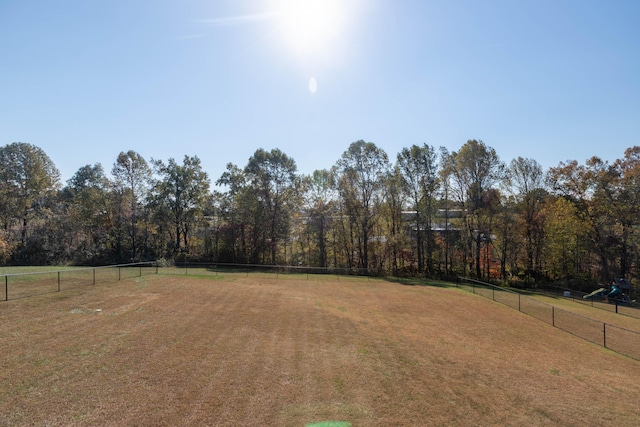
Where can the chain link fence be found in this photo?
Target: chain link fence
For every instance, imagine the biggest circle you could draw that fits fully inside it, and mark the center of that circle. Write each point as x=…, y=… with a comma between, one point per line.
x=23, y=285
x=628, y=308
x=615, y=338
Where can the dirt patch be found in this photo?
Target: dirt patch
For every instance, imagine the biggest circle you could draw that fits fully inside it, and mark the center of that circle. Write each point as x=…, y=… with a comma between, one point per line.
x=232, y=350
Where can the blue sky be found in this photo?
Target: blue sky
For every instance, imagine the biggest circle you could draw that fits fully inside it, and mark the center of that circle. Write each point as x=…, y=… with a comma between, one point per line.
x=547, y=79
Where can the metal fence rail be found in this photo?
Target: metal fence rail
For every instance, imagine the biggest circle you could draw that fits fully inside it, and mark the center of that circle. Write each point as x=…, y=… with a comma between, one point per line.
x=23, y=285
x=615, y=338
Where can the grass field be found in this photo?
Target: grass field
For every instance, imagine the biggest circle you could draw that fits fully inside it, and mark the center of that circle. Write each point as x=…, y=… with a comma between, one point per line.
x=231, y=350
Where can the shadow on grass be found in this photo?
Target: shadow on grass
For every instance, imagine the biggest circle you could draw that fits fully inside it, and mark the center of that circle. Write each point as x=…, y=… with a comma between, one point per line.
x=413, y=281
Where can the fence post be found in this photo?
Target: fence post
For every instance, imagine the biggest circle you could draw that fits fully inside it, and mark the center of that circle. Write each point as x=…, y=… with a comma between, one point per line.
x=119, y=273
x=6, y=288
x=493, y=293
x=553, y=316
x=604, y=335
x=58, y=281
x=94, y=276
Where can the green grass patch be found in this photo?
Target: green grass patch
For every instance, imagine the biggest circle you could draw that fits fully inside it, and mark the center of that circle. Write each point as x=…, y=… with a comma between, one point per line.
x=35, y=269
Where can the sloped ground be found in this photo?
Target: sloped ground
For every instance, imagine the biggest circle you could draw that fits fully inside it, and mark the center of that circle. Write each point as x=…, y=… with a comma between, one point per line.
x=243, y=351
x=628, y=317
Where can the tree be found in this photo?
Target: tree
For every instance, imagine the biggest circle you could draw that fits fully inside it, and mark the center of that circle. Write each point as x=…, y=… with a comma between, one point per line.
x=319, y=199
x=234, y=230
x=506, y=242
x=179, y=195
x=390, y=234
x=627, y=205
x=564, y=247
x=447, y=162
x=272, y=175
x=89, y=211
x=131, y=175
x=418, y=168
x=589, y=187
x=27, y=176
x=474, y=169
x=361, y=172
x=5, y=248
x=525, y=180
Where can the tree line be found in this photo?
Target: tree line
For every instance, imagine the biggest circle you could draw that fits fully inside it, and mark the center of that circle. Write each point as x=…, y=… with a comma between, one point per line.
x=426, y=212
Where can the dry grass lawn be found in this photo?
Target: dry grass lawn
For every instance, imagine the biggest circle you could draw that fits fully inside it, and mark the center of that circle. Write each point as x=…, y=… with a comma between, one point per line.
x=246, y=351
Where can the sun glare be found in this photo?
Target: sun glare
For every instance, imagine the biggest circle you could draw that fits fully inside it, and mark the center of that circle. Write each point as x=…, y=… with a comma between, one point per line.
x=311, y=25
x=313, y=85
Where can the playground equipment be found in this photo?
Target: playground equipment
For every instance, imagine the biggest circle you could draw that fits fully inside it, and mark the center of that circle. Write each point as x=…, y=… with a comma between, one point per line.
x=617, y=292
x=598, y=293
x=603, y=293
